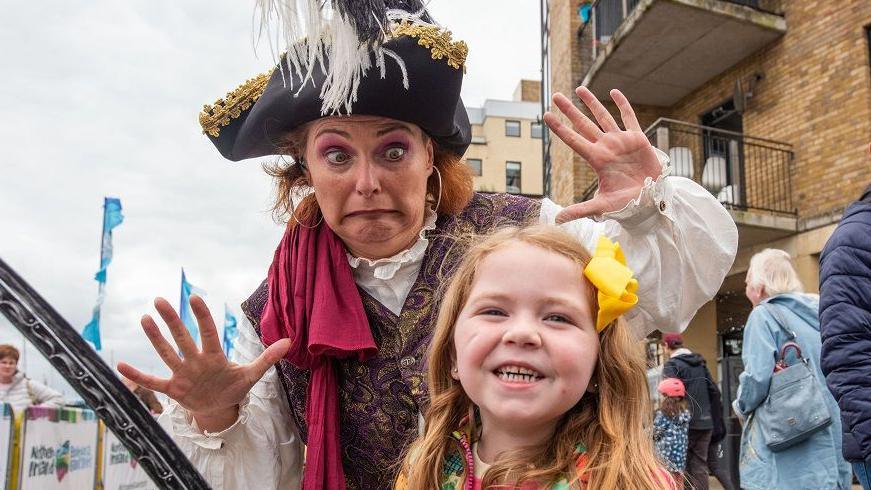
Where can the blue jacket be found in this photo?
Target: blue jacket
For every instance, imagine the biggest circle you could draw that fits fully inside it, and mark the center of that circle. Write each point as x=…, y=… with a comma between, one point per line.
x=845, y=318
x=816, y=463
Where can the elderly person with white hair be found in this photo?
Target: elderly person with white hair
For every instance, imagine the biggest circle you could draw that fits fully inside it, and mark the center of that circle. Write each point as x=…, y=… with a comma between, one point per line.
x=781, y=311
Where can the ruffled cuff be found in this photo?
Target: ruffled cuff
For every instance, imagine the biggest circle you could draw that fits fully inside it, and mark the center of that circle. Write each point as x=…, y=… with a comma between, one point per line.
x=185, y=426
x=655, y=197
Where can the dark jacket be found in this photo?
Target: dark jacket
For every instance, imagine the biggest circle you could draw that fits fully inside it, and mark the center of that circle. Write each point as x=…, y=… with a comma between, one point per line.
x=691, y=369
x=845, y=324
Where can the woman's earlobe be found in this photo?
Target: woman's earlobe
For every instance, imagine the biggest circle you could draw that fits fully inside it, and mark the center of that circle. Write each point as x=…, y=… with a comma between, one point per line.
x=455, y=373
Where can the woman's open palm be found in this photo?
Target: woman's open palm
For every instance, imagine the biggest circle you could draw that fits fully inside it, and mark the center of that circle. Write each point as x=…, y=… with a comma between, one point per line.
x=203, y=381
x=622, y=159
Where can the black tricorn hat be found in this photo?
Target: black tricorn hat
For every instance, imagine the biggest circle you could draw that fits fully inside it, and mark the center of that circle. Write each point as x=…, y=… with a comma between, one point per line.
x=415, y=76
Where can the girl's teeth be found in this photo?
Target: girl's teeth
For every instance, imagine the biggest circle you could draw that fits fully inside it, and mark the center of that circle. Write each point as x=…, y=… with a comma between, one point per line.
x=517, y=377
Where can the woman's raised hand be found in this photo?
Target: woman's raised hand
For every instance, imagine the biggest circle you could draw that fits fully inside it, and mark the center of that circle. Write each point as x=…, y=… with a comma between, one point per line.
x=203, y=380
x=622, y=159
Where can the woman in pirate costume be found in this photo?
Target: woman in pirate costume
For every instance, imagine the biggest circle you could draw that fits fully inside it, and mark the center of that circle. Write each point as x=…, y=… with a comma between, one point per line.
x=366, y=104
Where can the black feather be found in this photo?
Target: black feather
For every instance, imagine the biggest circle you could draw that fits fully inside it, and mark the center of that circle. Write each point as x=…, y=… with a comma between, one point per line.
x=370, y=16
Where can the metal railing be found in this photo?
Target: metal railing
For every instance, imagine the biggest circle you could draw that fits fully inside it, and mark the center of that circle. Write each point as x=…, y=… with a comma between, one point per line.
x=743, y=172
x=605, y=17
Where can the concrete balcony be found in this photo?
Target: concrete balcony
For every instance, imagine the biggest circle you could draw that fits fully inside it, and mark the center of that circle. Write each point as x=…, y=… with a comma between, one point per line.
x=658, y=51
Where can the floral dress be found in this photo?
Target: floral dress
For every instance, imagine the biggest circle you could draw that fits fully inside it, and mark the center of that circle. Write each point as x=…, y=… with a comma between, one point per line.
x=463, y=471
x=671, y=440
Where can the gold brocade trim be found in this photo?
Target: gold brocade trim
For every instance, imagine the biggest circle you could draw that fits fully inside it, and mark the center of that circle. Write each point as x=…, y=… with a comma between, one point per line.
x=214, y=117
x=437, y=40
x=223, y=111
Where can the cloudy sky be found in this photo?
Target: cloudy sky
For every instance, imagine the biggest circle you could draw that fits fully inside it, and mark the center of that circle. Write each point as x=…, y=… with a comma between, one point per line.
x=100, y=98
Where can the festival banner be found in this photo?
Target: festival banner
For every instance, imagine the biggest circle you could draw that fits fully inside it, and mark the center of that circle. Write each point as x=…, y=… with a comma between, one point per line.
x=59, y=449
x=6, y=430
x=120, y=470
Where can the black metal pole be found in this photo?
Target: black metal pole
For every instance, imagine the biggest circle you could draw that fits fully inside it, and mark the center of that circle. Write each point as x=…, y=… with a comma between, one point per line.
x=101, y=389
x=544, y=95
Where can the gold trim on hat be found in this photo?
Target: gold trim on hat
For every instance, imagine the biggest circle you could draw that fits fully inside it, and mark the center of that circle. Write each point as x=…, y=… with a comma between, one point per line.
x=223, y=111
x=214, y=117
x=437, y=40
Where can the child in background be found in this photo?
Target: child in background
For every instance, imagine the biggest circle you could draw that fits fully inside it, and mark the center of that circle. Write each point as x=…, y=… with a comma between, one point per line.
x=534, y=382
x=671, y=426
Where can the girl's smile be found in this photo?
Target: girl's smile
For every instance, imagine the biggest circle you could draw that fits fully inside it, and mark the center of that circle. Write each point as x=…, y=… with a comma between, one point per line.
x=525, y=339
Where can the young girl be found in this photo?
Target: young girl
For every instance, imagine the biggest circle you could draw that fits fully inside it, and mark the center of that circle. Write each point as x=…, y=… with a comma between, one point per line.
x=671, y=426
x=533, y=381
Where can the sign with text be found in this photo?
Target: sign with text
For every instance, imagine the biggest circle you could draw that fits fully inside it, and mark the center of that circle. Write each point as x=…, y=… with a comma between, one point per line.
x=59, y=449
x=6, y=430
x=120, y=470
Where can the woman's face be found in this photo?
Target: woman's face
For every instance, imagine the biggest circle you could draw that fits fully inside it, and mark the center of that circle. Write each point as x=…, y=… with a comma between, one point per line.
x=8, y=367
x=369, y=175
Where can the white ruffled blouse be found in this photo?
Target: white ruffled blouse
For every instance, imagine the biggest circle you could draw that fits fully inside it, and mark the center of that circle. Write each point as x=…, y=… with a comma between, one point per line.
x=677, y=238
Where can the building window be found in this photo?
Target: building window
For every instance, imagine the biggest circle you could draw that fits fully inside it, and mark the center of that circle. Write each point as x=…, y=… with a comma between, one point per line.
x=512, y=128
x=535, y=130
x=512, y=177
x=475, y=165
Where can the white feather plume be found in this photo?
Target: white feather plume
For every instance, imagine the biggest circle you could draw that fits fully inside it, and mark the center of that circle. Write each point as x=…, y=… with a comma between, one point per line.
x=312, y=32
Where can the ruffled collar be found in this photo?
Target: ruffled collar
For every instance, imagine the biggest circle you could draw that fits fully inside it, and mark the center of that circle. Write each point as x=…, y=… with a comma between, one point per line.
x=387, y=267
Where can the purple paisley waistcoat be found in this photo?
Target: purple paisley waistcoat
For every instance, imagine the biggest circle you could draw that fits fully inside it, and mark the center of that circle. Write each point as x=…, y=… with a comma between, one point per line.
x=379, y=400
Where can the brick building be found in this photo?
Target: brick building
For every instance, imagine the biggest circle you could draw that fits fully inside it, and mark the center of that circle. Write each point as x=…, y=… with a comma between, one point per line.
x=766, y=103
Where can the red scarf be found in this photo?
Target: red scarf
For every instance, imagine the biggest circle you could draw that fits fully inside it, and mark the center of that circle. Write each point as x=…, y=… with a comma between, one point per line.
x=314, y=302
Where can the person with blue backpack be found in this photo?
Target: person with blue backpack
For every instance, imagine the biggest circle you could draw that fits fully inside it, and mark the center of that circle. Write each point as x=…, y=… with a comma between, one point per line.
x=782, y=387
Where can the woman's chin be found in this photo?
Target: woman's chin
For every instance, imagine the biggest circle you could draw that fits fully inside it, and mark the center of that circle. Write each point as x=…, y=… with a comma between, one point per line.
x=377, y=239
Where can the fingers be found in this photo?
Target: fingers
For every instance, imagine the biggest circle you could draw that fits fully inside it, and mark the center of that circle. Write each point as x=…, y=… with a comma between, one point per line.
x=603, y=117
x=268, y=358
x=163, y=348
x=627, y=114
x=568, y=135
x=208, y=330
x=148, y=381
x=177, y=328
x=582, y=123
x=581, y=210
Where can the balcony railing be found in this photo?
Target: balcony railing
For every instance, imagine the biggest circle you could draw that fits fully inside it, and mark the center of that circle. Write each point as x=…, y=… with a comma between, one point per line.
x=743, y=172
x=605, y=17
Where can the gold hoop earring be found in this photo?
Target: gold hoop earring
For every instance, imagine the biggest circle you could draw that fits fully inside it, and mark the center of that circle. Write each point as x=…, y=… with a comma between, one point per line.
x=293, y=215
x=439, y=175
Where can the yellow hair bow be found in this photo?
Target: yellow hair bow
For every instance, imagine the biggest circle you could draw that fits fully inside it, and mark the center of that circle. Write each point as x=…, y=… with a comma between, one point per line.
x=608, y=272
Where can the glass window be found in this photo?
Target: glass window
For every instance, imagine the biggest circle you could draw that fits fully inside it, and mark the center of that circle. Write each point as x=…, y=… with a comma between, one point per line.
x=512, y=128
x=535, y=130
x=475, y=165
x=512, y=177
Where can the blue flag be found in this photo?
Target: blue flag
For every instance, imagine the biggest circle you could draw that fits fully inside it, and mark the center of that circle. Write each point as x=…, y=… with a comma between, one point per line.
x=91, y=333
x=230, y=331
x=112, y=217
x=184, y=308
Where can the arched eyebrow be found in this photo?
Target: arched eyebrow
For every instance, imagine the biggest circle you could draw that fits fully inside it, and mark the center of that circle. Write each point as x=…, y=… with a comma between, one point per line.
x=394, y=126
x=341, y=133
x=386, y=128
